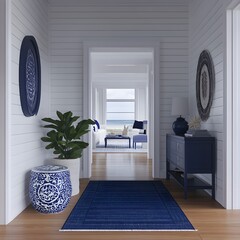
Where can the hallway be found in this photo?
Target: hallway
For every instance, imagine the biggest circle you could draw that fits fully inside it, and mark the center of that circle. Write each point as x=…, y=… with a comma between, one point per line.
x=212, y=221
x=121, y=166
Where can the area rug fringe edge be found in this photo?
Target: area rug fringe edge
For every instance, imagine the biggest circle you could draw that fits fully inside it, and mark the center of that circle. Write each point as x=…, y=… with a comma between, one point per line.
x=128, y=230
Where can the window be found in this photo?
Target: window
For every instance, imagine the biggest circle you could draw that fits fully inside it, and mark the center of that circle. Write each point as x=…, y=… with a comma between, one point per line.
x=120, y=106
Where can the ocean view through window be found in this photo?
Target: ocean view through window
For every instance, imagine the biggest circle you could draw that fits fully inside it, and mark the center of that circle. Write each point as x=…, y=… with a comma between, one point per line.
x=120, y=107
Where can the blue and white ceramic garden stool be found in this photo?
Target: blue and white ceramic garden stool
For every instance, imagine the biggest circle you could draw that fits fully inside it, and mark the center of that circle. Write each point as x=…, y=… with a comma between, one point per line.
x=50, y=188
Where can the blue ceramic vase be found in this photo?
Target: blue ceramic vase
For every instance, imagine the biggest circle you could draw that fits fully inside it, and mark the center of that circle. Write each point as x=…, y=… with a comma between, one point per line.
x=180, y=126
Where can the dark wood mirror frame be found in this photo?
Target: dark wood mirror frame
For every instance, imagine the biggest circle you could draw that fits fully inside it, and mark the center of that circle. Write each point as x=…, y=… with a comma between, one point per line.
x=205, y=84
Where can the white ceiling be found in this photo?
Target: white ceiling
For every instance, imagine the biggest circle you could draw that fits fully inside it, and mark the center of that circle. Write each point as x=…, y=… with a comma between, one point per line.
x=121, y=63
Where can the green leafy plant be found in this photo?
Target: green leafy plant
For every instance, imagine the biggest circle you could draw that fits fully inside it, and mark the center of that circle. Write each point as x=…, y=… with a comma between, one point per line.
x=65, y=136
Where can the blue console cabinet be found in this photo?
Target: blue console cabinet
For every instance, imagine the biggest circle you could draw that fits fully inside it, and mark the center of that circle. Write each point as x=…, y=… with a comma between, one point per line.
x=191, y=155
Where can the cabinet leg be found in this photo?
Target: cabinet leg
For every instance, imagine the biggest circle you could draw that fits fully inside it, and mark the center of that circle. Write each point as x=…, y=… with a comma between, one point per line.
x=185, y=194
x=213, y=193
x=168, y=176
x=213, y=186
x=185, y=186
x=167, y=170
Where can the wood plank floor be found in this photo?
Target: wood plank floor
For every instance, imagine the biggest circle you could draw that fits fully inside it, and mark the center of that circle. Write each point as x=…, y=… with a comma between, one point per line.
x=121, y=166
x=212, y=221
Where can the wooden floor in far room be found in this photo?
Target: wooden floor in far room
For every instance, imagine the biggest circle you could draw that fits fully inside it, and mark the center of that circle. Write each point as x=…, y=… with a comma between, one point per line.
x=212, y=221
x=121, y=166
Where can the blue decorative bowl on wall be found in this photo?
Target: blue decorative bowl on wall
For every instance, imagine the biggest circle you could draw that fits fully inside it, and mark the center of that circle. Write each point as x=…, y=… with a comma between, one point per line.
x=50, y=188
x=29, y=76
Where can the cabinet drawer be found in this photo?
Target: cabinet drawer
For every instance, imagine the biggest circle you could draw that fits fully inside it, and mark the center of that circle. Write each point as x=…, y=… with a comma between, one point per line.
x=172, y=146
x=180, y=162
x=176, y=151
x=180, y=148
x=176, y=146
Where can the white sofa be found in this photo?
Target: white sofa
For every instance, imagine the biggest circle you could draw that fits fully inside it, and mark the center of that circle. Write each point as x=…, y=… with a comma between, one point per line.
x=98, y=137
x=100, y=134
x=131, y=131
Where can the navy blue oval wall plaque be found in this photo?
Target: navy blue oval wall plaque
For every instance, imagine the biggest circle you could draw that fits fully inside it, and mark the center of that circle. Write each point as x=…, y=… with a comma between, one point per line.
x=29, y=76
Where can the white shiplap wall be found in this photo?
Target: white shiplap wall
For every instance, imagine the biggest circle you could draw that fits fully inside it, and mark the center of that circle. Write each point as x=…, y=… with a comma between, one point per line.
x=75, y=21
x=3, y=73
x=28, y=17
x=207, y=21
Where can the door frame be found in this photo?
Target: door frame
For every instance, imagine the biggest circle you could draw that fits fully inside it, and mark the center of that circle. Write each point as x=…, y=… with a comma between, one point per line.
x=5, y=76
x=232, y=106
x=154, y=89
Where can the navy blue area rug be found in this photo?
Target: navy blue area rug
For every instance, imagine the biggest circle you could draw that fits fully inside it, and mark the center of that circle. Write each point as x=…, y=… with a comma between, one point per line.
x=127, y=206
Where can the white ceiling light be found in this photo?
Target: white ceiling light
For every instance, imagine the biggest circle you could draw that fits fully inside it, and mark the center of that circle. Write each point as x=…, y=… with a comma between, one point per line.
x=121, y=65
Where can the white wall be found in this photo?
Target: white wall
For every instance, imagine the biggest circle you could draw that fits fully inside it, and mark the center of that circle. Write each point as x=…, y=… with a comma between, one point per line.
x=3, y=73
x=207, y=31
x=28, y=17
x=73, y=22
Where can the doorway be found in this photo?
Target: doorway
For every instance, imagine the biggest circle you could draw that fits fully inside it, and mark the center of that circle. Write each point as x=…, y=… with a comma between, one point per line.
x=120, y=82
x=153, y=88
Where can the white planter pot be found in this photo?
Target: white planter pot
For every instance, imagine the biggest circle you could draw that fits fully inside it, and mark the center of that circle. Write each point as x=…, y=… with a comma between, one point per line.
x=74, y=168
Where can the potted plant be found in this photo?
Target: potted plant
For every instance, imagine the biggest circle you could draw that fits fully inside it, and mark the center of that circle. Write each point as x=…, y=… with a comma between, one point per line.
x=65, y=139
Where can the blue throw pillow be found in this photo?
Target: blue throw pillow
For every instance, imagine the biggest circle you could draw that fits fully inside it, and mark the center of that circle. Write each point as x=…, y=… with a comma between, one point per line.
x=138, y=124
x=97, y=123
x=95, y=128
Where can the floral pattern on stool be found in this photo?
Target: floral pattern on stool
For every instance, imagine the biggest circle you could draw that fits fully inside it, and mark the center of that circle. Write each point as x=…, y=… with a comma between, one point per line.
x=50, y=188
